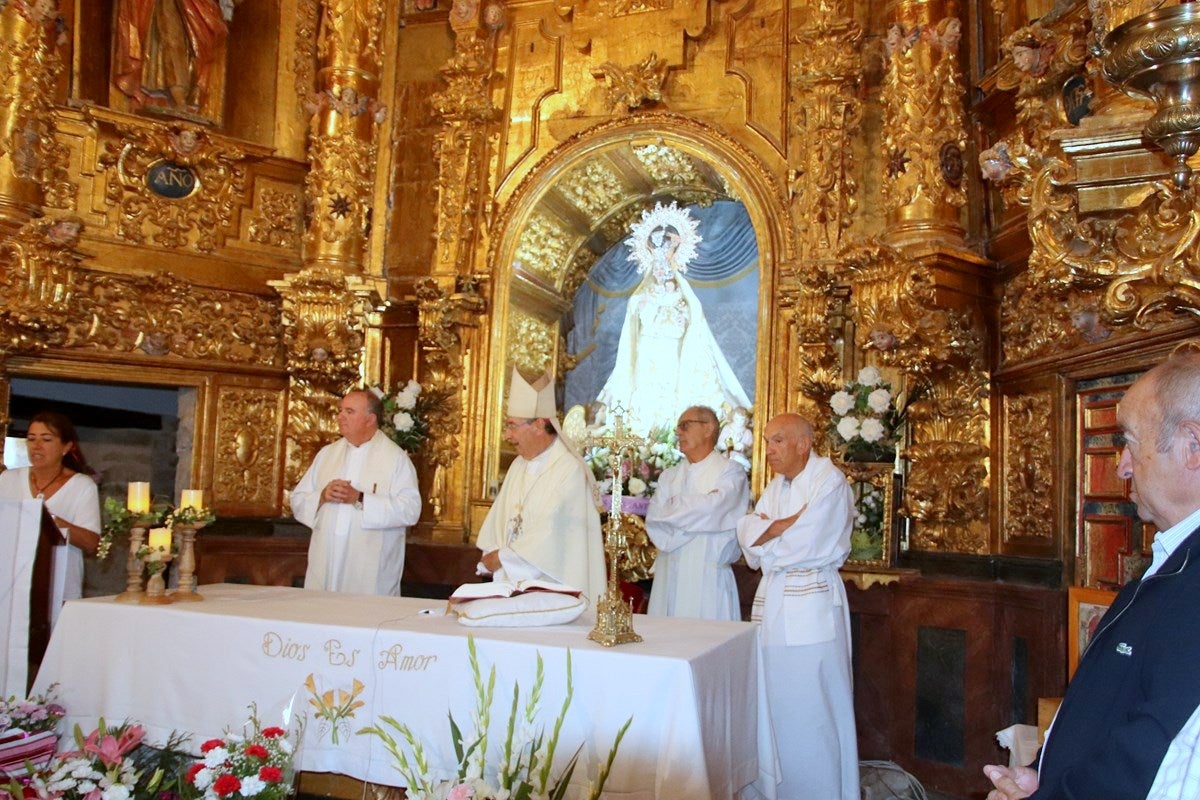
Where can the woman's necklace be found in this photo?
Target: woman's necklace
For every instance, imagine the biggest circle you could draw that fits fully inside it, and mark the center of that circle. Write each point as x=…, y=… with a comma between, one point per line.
x=39, y=491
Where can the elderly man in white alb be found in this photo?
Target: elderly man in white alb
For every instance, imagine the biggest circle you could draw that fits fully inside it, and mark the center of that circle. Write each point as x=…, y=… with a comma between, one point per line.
x=359, y=497
x=544, y=524
x=799, y=533
x=692, y=520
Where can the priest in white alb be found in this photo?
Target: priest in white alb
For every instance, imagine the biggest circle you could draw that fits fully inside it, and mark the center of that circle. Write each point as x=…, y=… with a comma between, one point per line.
x=692, y=520
x=799, y=534
x=359, y=497
x=544, y=524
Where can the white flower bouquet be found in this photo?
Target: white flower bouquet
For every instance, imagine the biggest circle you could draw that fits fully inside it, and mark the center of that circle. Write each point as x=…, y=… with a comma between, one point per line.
x=405, y=415
x=639, y=475
x=866, y=418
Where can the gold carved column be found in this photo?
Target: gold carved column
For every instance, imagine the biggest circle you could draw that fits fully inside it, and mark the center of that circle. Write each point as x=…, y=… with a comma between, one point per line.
x=825, y=73
x=29, y=64
x=329, y=306
x=449, y=304
x=924, y=138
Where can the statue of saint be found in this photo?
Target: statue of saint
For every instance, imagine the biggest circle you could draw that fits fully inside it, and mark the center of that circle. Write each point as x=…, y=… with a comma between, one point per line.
x=667, y=358
x=165, y=49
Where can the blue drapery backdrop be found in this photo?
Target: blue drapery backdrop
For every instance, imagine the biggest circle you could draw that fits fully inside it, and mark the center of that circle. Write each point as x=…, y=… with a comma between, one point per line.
x=724, y=275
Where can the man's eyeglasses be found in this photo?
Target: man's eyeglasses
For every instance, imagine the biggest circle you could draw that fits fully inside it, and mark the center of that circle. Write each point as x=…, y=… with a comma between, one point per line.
x=684, y=424
x=517, y=423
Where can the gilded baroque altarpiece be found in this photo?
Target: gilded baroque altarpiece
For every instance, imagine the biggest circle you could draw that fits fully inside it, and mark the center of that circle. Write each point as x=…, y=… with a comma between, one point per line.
x=418, y=189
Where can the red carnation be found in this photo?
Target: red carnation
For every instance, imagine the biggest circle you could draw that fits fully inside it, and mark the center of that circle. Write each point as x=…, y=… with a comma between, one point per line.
x=192, y=770
x=211, y=744
x=273, y=733
x=271, y=774
x=258, y=751
x=226, y=785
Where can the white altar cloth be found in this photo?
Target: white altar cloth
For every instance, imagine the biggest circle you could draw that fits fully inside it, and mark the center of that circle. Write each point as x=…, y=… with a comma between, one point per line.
x=691, y=687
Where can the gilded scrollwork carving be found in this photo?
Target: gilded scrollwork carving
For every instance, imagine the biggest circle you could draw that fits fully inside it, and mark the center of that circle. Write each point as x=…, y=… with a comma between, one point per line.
x=922, y=97
x=531, y=341
x=593, y=188
x=543, y=247
x=443, y=314
x=311, y=424
x=322, y=329
x=947, y=491
x=29, y=66
x=352, y=27
x=201, y=220
x=161, y=315
x=38, y=266
x=666, y=165
x=627, y=88
x=279, y=222
x=246, y=459
x=308, y=14
x=338, y=187
x=895, y=310
x=1027, y=453
x=826, y=71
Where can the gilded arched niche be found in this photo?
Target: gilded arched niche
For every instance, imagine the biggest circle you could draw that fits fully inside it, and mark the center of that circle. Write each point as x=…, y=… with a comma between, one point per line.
x=579, y=201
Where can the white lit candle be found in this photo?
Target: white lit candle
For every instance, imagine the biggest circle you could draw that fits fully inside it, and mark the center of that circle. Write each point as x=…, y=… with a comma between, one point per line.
x=160, y=539
x=192, y=498
x=139, y=498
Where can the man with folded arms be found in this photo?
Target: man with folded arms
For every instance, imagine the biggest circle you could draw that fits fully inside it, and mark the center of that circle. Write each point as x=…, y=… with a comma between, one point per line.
x=544, y=524
x=692, y=520
x=799, y=533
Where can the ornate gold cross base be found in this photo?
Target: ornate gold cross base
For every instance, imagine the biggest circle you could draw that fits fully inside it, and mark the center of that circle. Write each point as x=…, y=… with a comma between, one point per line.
x=614, y=619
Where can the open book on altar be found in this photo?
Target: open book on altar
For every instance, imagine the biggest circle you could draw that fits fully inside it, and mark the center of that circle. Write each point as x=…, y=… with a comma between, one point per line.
x=481, y=591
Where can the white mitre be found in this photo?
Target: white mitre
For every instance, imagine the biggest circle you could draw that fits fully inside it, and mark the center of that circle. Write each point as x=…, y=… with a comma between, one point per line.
x=531, y=400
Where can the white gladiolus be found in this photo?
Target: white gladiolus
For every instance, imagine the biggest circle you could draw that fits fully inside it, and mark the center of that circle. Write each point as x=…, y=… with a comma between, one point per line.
x=879, y=400
x=871, y=430
x=637, y=487
x=869, y=376
x=841, y=402
x=403, y=421
x=847, y=428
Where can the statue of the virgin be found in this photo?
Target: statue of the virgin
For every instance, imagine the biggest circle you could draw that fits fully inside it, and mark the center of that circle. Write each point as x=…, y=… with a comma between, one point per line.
x=667, y=358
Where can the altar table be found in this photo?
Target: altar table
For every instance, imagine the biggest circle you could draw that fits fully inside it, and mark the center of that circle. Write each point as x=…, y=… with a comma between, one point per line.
x=691, y=687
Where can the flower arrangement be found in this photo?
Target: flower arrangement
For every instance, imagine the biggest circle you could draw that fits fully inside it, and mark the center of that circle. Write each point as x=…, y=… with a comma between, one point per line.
x=639, y=476
x=107, y=764
x=866, y=418
x=37, y=713
x=519, y=768
x=255, y=764
x=866, y=540
x=405, y=415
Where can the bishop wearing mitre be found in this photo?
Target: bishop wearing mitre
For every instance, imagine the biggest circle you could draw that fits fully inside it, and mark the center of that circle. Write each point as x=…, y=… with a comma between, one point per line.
x=544, y=524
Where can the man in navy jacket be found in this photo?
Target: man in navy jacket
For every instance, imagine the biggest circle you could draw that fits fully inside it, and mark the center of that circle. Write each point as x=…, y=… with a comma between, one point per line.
x=1136, y=684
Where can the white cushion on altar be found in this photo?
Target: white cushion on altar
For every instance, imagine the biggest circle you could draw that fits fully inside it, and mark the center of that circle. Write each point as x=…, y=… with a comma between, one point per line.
x=527, y=610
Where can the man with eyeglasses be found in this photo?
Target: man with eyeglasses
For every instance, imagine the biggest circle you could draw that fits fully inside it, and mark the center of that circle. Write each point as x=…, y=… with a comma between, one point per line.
x=544, y=524
x=692, y=520
x=799, y=534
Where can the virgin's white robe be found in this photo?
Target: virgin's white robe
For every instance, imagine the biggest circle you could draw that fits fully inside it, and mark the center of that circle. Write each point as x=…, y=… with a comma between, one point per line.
x=692, y=520
x=358, y=549
x=805, y=634
x=559, y=533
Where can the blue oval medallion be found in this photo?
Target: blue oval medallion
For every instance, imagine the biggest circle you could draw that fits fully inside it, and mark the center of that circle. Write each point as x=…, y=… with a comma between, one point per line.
x=171, y=180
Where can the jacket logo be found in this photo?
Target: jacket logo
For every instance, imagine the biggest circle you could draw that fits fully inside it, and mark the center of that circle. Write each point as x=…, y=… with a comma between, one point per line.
x=1124, y=649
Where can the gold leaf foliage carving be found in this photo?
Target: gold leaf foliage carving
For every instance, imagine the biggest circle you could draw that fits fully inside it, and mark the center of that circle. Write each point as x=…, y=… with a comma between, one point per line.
x=666, y=165
x=825, y=74
x=592, y=188
x=29, y=68
x=204, y=219
x=1043, y=56
x=922, y=97
x=624, y=8
x=160, y=315
x=351, y=26
x=311, y=424
x=38, y=283
x=308, y=13
x=468, y=75
x=1028, y=466
x=531, y=341
x=338, y=186
x=626, y=88
x=322, y=329
x=543, y=247
x=246, y=462
x=279, y=222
